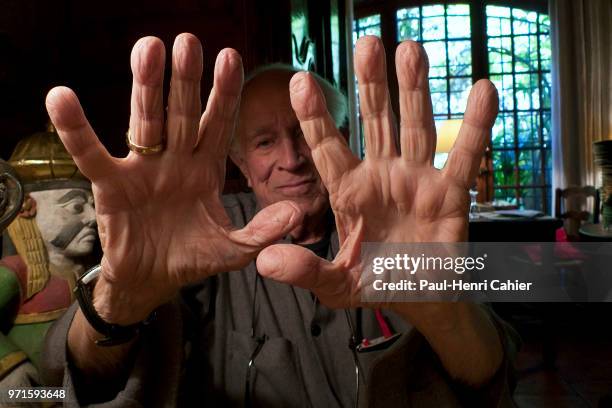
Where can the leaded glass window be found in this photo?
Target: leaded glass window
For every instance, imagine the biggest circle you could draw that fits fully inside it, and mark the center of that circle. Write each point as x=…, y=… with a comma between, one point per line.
x=518, y=45
x=369, y=25
x=513, y=50
x=445, y=32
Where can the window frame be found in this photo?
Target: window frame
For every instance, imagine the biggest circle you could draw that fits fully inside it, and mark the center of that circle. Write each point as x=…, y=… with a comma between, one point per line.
x=480, y=69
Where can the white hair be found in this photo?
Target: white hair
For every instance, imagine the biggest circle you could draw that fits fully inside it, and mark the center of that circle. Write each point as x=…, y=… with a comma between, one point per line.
x=334, y=99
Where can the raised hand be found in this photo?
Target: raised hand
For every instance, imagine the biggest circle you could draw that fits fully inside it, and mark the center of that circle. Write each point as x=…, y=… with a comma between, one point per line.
x=390, y=196
x=160, y=217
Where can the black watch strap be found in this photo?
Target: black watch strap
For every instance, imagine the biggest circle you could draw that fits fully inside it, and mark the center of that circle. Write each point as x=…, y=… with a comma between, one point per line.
x=114, y=334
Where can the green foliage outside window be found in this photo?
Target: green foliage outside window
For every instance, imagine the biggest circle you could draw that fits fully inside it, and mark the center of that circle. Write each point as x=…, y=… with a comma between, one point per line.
x=519, y=53
x=519, y=58
x=445, y=32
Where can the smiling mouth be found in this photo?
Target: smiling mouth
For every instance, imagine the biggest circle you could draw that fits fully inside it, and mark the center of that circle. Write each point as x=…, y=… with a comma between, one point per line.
x=296, y=184
x=299, y=187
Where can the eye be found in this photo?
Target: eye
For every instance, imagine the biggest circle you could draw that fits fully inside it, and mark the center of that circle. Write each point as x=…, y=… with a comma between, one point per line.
x=75, y=206
x=264, y=143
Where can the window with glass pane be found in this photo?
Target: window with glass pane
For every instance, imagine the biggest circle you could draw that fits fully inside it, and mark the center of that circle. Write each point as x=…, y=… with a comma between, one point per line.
x=517, y=60
x=445, y=32
x=369, y=25
x=518, y=44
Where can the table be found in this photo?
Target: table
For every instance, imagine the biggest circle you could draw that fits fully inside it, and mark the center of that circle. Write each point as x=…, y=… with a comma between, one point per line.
x=594, y=232
x=514, y=229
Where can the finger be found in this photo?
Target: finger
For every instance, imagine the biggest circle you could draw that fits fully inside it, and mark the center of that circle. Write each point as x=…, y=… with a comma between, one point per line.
x=464, y=159
x=269, y=225
x=330, y=153
x=377, y=115
x=147, y=113
x=66, y=113
x=417, y=131
x=219, y=119
x=184, y=105
x=297, y=266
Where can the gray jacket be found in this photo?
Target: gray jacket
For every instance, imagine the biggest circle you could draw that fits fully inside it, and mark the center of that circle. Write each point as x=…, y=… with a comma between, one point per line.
x=198, y=351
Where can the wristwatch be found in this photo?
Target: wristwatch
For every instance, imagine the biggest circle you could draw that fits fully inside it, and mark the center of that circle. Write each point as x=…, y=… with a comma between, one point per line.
x=114, y=334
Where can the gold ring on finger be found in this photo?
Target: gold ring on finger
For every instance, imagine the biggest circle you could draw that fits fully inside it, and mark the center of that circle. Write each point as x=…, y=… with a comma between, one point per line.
x=143, y=150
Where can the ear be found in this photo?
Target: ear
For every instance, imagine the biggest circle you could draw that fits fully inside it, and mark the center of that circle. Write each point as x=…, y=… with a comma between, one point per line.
x=238, y=160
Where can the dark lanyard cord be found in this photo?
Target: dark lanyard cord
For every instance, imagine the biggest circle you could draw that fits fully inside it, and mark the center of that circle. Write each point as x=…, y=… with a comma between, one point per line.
x=260, y=342
x=353, y=343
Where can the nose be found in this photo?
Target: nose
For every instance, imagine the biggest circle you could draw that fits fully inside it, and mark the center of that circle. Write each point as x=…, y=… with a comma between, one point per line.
x=291, y=157
x=89, y=216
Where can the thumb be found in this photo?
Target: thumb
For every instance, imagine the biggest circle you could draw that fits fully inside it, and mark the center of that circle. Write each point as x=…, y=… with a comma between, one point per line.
x=297, y=266
x=268, y=226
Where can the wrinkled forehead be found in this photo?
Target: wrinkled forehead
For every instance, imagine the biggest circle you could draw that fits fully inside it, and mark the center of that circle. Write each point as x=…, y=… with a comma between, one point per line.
x=265, y=103
x=61, y=196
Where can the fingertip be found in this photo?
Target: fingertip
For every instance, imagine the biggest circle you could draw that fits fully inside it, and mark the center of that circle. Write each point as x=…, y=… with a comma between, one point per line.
x=298, y=82
x=148, y=60
x=229, y=73
x=410, y=50
x=229, y=60
x=187, y=38
x=486, y=86
x=269, y=261
x=232, y=57
x=64, y=108
x=187, y=58
x=483, y=104
x=412, y=65
x=56, y=95
x=288, y=213
x=306, y=97
x=367, y=45
x=370, y=64
x=297, y=215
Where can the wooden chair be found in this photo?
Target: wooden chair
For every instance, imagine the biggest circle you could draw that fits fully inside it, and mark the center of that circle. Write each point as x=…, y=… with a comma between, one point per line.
x=572, y=219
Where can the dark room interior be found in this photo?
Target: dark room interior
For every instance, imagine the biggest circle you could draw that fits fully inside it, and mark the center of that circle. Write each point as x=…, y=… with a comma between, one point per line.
x=545, y=176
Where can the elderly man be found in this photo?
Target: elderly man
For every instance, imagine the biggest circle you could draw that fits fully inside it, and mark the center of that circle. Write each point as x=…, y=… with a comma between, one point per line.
x=275, y=332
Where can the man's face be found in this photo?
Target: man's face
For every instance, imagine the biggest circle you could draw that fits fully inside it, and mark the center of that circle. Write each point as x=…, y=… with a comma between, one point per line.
x=66, y=219
x=274, y=156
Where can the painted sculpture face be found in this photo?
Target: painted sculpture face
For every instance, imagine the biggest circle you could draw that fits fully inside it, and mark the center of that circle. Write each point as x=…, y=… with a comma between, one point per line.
x=67, y=220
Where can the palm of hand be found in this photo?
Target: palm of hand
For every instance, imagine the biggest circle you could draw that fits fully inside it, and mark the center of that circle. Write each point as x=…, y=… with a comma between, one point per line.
x=393, y=202
x=175, y=212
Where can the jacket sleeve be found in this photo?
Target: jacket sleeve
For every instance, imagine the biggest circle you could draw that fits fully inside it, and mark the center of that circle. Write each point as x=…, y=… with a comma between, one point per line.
x=411, y=375
x=152, y=380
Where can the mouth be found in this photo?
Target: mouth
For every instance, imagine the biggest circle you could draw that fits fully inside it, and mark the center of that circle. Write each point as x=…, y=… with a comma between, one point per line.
x=89, y=236
x=296, y=187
